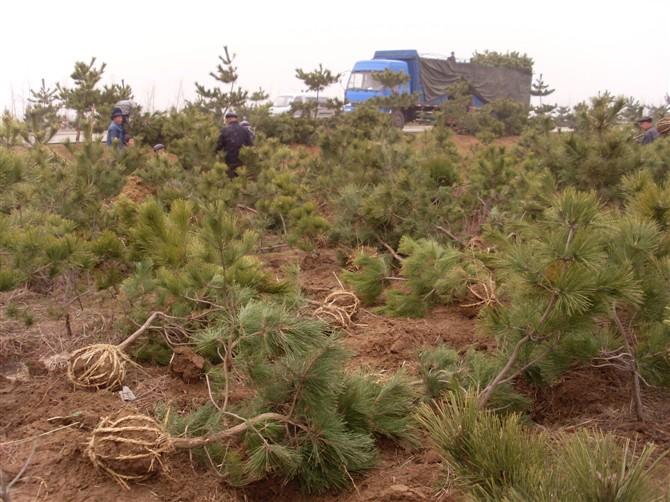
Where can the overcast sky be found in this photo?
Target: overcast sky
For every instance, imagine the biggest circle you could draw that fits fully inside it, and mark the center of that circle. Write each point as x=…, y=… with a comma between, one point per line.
x=161, y=48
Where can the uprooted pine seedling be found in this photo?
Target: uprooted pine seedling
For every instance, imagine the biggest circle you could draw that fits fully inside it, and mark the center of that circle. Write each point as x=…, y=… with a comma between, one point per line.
x=431, y=274
x=302, y=417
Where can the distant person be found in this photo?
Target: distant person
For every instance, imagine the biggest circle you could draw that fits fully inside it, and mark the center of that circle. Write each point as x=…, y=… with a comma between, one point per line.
x=649, y=132
x=233, y=137
x=130, y=141
x=116, y=131
x=452, y=57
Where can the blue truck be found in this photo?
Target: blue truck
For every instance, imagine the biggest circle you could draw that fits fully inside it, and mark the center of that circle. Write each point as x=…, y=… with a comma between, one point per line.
x=429, y=80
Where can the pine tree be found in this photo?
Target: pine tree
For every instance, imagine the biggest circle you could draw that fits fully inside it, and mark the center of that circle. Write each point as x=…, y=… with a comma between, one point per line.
x=230, y=96
x=393, y=100
x=316, y=81
x=41, y=115
x=11, y=130
x=85, y=95
x=559, y=281
x=540, y=88
x=633, y=110
x=564, y=117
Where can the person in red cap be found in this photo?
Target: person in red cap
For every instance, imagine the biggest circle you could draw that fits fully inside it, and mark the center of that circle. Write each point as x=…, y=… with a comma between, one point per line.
x=116, y=131
x=233, y=137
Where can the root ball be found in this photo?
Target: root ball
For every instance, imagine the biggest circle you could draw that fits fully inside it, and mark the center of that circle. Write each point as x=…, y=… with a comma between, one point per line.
x=340, y=307
x=99, y=366
x=128, y=447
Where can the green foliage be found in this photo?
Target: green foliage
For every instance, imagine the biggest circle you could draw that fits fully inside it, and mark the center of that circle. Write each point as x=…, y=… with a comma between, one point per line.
x=86, y=97
x=282, y=199
x=496, y=457
x=439, y=368
x=153, y=351
x=292, y=365
x=11, y=130
x=492, y=456
x=218, y=100
x=514, y=60
x=41, y=115
x=434, y=273
x=317, y=80
x=597, y=156
x=378, y=406
x=501, y=117
x=557, y=281
x=287, y=129
x=442, y=370
x=599, y=467
x=186, y=255
x=391, y=79
x=369, y=276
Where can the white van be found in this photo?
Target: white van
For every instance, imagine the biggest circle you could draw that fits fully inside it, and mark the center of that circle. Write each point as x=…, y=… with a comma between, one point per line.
x=283, y=104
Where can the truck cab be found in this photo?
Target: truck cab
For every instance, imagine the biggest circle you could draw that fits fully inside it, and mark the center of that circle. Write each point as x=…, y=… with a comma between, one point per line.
x=362, y=86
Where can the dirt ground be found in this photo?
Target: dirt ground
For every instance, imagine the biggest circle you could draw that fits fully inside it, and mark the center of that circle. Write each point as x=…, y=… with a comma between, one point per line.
x=43, y=418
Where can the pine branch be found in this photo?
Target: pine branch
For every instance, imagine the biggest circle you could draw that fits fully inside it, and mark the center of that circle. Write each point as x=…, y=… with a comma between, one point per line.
x=391, y=250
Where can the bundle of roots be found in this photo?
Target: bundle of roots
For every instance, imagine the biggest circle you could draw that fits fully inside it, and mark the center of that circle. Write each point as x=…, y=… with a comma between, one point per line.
x=128, y=447
x=340, y=307
x=103, y=366
x=96, y=367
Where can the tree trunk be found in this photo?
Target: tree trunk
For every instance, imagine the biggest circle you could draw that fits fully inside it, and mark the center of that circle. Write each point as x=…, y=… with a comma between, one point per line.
x=502, y=376
x=485, y=396
x=197, y=442
x=629, y=343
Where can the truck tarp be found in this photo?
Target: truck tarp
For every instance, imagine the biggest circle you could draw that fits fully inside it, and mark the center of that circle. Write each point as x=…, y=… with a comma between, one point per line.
x=488, y=83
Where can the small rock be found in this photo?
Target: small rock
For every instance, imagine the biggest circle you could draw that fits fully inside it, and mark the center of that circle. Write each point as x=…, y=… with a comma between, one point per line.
x=126, y=394
x=15, y=371
x=187, y=365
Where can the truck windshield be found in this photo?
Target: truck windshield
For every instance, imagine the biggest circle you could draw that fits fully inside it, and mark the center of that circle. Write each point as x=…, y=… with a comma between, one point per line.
x=282, y=100
x=363, y=80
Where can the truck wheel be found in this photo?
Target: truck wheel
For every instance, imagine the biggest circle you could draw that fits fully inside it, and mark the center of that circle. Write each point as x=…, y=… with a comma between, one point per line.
x=398, y=119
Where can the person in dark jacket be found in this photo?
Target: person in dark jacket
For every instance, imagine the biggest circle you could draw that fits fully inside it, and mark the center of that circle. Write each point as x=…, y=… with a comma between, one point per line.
x=649, y=132
x=233, y=137
x=116, y=131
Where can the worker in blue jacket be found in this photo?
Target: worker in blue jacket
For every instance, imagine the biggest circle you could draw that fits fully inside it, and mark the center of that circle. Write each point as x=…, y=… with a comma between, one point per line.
x=116, y=131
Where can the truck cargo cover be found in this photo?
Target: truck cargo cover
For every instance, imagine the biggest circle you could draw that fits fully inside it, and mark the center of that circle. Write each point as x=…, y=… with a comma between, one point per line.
x=488, y=83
